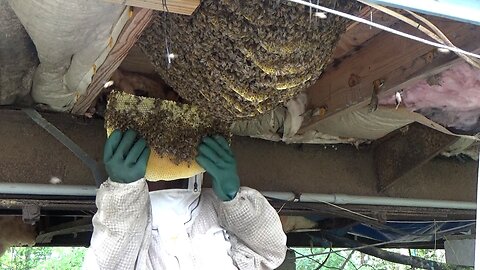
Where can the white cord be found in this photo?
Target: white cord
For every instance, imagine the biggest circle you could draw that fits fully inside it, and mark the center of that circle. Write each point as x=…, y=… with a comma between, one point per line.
x=347, y=210
x=385, y=28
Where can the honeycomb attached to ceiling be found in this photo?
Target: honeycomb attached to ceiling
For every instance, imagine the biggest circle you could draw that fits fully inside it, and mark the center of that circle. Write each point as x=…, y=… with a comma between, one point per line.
x=239, y=59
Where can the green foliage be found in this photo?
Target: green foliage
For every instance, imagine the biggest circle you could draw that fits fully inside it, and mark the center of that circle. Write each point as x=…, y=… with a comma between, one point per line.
x=66, y=258
x=42, y=258
x=358, y=260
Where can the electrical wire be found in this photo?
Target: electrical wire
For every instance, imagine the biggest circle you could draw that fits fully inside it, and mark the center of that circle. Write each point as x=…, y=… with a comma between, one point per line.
x=347, y=210
x=324, y=202
x=166, y=22
x=366, y=265
x=305, y=256
x=326, y=260
x=385, y=28
x=359, y=248
x=312, y=259
x=347, y=260
x=404, y=234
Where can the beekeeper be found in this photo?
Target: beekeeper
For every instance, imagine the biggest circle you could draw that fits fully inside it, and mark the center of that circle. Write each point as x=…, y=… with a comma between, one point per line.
x=227, y=227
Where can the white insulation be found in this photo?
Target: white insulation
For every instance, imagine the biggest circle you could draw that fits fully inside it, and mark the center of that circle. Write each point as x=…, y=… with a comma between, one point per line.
x=69, y=36
x=18, y=58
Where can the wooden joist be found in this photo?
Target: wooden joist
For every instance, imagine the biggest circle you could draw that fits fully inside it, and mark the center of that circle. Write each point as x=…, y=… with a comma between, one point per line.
x=185, y=7
x=129, y=35
x=357, y=34
x=399, y=62
x=406, y=149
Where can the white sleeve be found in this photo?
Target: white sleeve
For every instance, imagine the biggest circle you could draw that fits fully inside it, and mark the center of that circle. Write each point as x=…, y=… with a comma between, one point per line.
x=121, y=226
x=257, y=237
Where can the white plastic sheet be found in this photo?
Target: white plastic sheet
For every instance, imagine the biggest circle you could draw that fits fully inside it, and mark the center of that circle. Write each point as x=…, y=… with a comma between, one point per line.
x=69, y=36
x=17, y=57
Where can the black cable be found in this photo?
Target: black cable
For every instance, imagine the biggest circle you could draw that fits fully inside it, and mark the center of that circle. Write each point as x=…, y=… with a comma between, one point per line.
x=366, y=265
x=325, y=261
x=343, y=257
x=304, y=256
x=321, y=264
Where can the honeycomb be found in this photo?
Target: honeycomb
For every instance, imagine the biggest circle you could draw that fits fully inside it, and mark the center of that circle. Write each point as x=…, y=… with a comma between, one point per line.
x=172, y=130
x=239, y=59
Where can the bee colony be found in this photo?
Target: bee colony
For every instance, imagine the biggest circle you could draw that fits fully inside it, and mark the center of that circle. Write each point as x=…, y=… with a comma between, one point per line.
x=171, y=129
x=240, y=59
x=231, y=60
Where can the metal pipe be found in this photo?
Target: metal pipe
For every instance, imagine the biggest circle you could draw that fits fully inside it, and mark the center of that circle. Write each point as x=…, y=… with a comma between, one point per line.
x=71, y=190
x=370, y=200
x=45, y=189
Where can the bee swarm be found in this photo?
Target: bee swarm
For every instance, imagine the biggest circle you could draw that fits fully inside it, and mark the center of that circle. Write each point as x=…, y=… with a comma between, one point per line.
x=171, y=129
x=240, y=59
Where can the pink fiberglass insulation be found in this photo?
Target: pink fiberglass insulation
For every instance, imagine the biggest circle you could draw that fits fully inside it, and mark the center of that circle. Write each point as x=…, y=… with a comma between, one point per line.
x=451, y=98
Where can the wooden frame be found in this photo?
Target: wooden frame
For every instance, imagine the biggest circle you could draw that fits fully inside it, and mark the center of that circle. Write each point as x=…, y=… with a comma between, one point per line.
x=185, y=7
x=130, y=33
x=348, y=84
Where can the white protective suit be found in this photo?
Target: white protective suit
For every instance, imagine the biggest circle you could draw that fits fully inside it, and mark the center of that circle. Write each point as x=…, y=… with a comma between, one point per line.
x=183, y=229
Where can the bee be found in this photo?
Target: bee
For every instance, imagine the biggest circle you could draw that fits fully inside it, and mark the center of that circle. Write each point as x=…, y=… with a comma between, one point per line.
x=240, y=59
x=170, y=128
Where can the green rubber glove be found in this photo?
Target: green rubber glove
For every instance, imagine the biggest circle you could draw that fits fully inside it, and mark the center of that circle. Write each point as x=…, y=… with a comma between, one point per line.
x=216, y=157
x=125, y=156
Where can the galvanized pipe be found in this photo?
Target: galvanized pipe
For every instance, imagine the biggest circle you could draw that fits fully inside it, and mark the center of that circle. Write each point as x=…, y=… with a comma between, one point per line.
x=340, y=199
x=370, y=200
x=45, y=189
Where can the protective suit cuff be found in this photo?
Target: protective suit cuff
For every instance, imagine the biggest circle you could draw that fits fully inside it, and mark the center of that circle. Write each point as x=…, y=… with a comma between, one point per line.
x=112, y=184
x=240, y=196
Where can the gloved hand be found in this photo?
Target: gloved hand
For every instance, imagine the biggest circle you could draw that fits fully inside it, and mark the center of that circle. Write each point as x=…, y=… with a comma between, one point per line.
x=125, y=157
x=216, y=157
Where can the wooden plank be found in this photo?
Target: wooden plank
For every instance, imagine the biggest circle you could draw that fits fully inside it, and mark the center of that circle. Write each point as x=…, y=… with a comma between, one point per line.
x=137, y=61
x=185, y=7
x=357, y=33
x=399, y=62
x=405, y=150
x=129, y=35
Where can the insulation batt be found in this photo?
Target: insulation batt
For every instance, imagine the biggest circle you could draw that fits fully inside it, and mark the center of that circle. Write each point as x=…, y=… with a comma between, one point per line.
x=69, y=37
x=17, y=57
x=451, y=98
x=241, y=59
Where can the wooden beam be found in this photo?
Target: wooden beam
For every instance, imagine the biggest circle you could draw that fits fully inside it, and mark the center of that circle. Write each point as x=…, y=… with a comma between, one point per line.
x=399, y=62
x=357, y=34
x=405, y=150
x=31, y=155
x=129, y=35
x=137, y=61
x=185, y=7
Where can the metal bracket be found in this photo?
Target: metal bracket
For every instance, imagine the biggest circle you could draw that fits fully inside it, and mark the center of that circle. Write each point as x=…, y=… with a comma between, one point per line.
x=67, y=142
x=31, y=213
